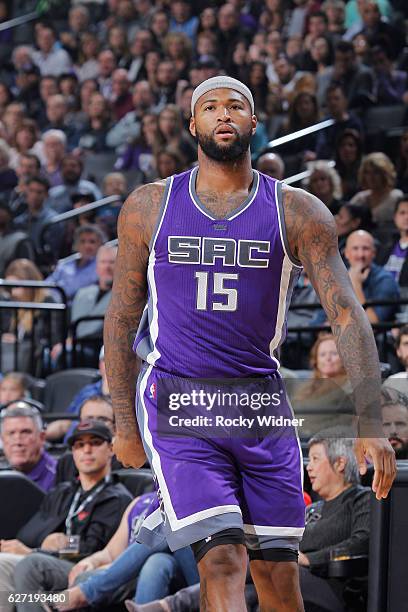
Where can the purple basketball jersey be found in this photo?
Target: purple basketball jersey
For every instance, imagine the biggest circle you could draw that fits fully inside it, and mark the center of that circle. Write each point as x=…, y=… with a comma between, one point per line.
x=219, y=289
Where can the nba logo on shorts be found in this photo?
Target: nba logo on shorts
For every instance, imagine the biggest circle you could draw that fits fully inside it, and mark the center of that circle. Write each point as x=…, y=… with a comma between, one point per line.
x=152, y=390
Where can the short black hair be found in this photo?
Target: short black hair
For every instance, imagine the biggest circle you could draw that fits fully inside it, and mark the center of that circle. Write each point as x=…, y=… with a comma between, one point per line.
x=345, y=46
x=41, y=180
x=401, y=199
x=402, y=332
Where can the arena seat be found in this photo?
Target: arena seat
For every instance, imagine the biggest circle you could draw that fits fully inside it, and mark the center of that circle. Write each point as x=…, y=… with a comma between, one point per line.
x=61, y=387
x=136, y=481
x=387, y=580
x=23, y=500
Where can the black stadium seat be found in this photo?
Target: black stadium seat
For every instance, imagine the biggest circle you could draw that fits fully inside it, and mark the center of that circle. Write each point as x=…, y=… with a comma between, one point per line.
x=61, y=387
x=387, y=578
x=136, y=481
x=21, y=499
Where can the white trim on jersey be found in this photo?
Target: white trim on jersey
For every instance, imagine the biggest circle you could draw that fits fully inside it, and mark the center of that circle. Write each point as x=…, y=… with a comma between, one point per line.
x=261, y=530
x=287, y=267
x=154, y=355
x=281, y=222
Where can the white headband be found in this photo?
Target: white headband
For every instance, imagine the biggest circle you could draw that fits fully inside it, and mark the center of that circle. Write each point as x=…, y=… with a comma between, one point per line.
x=221, y=82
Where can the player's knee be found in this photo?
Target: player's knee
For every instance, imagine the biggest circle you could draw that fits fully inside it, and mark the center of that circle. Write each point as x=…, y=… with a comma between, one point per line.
x=224, y=561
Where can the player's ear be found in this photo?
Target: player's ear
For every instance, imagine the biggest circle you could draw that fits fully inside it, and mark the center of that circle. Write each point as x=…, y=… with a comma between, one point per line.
x=254, y=122
x=192, y=127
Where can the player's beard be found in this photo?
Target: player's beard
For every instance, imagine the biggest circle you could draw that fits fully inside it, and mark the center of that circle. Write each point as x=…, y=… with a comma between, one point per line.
x=227, y=152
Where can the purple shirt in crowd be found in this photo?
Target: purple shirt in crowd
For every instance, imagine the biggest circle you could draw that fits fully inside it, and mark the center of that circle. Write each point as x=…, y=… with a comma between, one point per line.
x=43, y=474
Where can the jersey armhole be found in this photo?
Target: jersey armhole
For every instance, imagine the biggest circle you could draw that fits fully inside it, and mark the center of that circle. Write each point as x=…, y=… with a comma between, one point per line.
x=282, y=226
x=162, y=212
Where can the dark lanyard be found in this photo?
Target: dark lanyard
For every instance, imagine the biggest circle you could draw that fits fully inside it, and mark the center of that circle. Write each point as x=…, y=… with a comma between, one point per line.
x=74, y=511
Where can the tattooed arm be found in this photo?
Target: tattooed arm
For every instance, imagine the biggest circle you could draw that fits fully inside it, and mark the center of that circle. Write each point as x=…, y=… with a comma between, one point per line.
x=135, y=227
x=312, y=239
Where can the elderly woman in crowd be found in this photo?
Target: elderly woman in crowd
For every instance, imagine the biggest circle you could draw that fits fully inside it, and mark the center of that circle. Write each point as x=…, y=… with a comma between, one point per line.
x=339, y=523
x=376, y=178
x=324, y=182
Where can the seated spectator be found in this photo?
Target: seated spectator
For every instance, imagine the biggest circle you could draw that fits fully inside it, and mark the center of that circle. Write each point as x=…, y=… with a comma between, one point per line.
x=121, y=97
x=90, y=507
x=341, y=519
x=356, y=80
x=139, y=153
x=177, y=46
x=114, y=183
x=401, y=348
x=27, y=141
x=28, y=166
x=71, y=183
x=56, y=430
x=23, y=438
x=272, y=165
x=393, y=256
x=379, y=31
x=58, y=119
x=93, y=300
x=370, y=281
x=128, y=128
x=390, y=84
x=337, y=106
x=8, y=177
x=123, y=561
x=87, y=66
x=325, y=184
x=14, y=386
x=14, y=244
x=320, y=398
x=303, y=112
x=100, y=118
x=172, y=133
x=94, y=408
x=169, y=161
x=350, y=218
x=347, y=155
x=32, y=330
x=50, y=59
x=258, y=83
x=394, y=410
x=165, y=83
x=376, y=179
x=37, y=216
x=182, y=20
x=284, y=79
x=77, y=273
x=55, y=149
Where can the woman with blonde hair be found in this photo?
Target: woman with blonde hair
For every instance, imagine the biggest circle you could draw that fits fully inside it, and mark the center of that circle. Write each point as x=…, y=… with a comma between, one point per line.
x=324, y=182
x=177, y=46
x=376, y=177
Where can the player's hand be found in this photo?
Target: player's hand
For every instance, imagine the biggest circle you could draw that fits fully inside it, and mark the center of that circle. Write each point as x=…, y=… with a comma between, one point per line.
x=379, y=452
x=129, y=450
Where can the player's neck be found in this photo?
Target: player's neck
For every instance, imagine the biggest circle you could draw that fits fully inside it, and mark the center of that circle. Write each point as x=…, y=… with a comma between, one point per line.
x=224, y=177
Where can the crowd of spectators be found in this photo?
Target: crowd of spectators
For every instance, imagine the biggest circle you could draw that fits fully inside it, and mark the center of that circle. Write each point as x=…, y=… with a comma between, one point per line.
x=95, y=100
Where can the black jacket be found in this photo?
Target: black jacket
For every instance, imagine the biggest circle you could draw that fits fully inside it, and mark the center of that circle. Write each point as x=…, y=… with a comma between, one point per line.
x=96, y=524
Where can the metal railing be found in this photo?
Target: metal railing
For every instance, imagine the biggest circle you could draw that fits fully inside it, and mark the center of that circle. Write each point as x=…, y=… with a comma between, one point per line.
x=316, y=127
x=77, y=212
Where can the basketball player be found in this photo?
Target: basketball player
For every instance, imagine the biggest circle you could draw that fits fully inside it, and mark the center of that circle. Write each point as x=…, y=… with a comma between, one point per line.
x=206, y=264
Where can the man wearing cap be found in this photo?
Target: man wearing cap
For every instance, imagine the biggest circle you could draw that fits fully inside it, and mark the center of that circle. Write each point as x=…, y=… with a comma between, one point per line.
x=206, y=265
x=90, y=507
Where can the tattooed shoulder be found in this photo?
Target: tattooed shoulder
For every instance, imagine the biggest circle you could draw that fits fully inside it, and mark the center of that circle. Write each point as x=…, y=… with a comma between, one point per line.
x=310, y=226
x=140, y=211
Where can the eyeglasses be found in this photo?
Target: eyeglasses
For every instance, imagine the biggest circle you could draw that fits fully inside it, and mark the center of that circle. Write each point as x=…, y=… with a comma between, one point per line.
x=80, y=444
